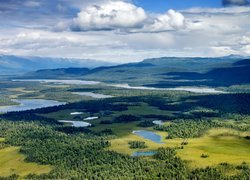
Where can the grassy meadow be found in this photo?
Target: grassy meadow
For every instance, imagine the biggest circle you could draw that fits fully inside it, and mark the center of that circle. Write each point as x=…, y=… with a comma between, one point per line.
x=221, y=145
x=13, y=162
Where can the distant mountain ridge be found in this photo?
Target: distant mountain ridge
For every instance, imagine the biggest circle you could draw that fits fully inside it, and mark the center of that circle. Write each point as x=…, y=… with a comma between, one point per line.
x=161, y=72
x=17, y=65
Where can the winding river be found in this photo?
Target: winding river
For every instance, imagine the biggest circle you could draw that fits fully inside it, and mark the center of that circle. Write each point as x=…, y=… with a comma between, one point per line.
x=200, y=90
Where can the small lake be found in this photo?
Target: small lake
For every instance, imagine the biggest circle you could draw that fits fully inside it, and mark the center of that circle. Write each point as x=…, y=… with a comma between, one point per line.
x=149, y=135
x=91, y=118
x=56, y=81
x=149, y=153
x=93, y=95
x=200, y=90
x=76, y=123
x=29, y=104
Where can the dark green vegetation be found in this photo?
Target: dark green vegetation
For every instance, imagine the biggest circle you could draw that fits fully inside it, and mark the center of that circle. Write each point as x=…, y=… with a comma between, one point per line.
x=187, y=129
x=204, y=156
x=146, y=123
x=137, y=145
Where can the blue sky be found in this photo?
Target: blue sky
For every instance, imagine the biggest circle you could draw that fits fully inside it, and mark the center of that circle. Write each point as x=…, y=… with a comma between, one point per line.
x=124, y=30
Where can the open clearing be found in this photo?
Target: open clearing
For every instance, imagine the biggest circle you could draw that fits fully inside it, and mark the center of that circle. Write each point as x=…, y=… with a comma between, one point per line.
x=12, y=162
x=222, y=145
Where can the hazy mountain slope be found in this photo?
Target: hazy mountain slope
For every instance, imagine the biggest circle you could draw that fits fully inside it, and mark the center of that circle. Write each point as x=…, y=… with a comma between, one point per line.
x=162, y=72
x=238, y=74
x=159, y=69
x=79, y=73
x=17, y=65
x=62, y=73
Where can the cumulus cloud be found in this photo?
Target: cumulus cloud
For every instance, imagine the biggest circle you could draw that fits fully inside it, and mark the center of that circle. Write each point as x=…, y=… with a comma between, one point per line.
x=170, y=21
x=235, y=2
x=109, y=16
x=124, y=16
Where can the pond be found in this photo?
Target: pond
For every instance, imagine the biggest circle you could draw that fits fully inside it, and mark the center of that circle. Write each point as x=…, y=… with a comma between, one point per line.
x=149, y=135
x=91, y=118
x=76, y=123
x=93, y=95
x=29, y=104
x=149, y=153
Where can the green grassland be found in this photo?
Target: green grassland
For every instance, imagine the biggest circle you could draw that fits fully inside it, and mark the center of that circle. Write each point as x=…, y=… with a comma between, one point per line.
x=13, y=162
x=222, y=145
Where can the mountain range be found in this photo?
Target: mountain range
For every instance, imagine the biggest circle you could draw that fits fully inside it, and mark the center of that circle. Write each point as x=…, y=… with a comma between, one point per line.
x=10, y=65
x=160, y=72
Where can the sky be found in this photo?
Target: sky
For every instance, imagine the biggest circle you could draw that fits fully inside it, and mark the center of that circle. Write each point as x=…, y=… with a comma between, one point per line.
x=123, y=31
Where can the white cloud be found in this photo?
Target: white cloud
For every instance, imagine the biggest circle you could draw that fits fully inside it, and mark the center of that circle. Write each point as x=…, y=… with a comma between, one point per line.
x=171, y=20
x=223, y=51
x=246, y=50
x=111, y=15
x=124, y=16
x=133, y=34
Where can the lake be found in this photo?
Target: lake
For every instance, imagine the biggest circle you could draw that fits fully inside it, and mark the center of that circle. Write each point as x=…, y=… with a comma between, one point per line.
x=149, y=135
x=93, y=95
x=188, y=89
x=76, y=123
x=29, y=104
